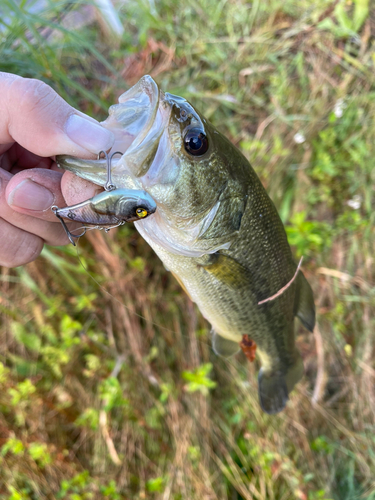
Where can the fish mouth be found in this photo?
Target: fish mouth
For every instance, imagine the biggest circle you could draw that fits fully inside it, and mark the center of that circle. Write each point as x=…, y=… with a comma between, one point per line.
x=138, y=122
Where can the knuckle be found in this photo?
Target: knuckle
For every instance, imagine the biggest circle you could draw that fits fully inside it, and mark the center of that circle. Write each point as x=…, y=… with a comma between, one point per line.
x=39, y=95
x=33, y=94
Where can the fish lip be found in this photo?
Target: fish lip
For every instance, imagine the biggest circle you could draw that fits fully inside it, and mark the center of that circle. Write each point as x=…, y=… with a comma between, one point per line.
x=186, y=110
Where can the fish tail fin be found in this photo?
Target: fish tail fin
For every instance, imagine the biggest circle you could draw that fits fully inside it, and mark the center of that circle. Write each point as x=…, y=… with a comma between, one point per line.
x=273, y=391
x=274, y=387
x=224, y=347
x=304, y=303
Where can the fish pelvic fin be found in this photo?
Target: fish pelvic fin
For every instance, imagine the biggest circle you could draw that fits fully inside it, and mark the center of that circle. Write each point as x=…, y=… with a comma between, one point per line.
x=224, y=347
x=274, y=387
x=304, y=307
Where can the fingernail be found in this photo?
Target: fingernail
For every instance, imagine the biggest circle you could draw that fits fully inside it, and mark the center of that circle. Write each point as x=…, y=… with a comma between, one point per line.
x=31, y=196
x=88, y=135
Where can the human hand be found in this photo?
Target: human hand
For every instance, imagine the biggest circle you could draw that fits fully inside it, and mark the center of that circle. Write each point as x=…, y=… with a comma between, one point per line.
x=36, y=124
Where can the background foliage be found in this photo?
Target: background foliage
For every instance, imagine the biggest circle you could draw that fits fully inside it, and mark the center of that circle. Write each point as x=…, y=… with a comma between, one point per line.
x=108, y=385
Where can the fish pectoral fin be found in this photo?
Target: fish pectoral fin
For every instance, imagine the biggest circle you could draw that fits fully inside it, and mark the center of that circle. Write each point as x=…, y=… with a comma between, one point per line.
x=274, y=387
x=227, y=220
x=304, y=307
x=224, y=347
x=227, y=270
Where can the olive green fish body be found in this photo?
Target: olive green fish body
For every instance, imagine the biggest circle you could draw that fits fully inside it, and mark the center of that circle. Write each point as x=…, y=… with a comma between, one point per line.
x=228, y=285
x=215, y=228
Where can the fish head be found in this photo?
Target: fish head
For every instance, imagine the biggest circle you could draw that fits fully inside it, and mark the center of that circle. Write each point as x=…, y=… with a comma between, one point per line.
x=194, y=174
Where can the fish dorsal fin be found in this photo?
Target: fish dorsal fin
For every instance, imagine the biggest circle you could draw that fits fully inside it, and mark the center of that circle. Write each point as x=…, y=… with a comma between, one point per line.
x=224, y=347
x=304, y=307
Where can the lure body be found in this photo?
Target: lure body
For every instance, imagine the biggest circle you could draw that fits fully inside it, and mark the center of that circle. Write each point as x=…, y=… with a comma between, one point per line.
x=110, y=208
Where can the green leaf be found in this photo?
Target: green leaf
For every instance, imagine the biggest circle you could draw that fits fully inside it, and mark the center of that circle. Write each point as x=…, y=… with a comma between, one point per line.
x=14, y=446
x=156, y=484
x=30, y=340
x=198, y=379
x=39, y=453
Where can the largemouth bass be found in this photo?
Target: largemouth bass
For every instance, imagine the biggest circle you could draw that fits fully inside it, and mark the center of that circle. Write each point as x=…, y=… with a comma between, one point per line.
x=215, y=228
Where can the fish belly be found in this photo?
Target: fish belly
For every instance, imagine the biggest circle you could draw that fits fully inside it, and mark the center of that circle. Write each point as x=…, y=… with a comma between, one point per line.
x=232, y=313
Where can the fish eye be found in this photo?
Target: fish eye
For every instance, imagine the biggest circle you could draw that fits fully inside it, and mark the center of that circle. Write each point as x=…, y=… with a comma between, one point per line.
x=195, y=142
x=141, y=212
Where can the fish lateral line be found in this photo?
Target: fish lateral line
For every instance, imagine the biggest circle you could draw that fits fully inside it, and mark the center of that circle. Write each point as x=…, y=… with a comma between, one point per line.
x=282, y=290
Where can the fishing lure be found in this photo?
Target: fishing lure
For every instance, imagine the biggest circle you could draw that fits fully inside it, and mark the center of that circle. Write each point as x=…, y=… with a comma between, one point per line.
x=113, y=207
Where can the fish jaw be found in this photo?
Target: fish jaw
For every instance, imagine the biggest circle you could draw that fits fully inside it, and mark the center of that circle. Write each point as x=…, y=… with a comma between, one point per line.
x=95, y=171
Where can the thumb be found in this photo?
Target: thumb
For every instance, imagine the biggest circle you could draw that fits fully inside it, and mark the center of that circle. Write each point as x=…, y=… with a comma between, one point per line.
x=37, y=118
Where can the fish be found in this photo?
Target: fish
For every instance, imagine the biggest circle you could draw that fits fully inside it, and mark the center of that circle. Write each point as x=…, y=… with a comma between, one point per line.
x=215, y=228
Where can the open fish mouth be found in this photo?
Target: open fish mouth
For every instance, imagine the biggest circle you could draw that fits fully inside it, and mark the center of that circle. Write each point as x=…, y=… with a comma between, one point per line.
x=138, y=123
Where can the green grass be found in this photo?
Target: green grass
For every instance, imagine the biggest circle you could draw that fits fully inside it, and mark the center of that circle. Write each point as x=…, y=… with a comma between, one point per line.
x=108, y=385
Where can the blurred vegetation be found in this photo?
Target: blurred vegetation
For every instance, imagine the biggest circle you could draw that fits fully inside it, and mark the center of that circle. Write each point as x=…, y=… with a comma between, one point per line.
x=108, y=385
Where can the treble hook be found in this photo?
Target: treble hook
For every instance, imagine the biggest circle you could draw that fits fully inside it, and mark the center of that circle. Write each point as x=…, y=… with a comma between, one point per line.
x=68, y=233
x=108, y=185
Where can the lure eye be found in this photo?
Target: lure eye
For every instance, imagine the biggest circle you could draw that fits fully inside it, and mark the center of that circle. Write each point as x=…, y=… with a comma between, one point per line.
x=141, y=212
x=196, y=142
